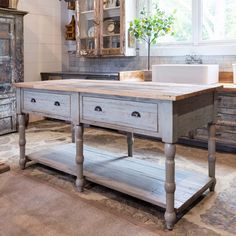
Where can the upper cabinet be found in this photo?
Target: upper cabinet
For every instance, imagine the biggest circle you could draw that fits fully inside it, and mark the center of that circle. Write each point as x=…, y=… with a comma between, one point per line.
x=102, y=27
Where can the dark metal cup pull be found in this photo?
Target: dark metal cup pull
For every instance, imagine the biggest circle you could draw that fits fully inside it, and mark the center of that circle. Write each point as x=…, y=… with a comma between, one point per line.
x=98, y=108
x=57, y=104
x=136, y=114
x=33, y=100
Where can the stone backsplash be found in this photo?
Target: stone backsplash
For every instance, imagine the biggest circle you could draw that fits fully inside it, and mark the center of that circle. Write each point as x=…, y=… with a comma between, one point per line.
x=75, y=63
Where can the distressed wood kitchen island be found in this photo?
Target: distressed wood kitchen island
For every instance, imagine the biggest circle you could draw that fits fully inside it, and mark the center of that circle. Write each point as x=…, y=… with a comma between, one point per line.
x=166, y=111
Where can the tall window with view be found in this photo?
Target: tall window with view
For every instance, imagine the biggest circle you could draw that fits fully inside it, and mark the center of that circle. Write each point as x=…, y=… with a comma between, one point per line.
x=183, y=19
x=218, y=20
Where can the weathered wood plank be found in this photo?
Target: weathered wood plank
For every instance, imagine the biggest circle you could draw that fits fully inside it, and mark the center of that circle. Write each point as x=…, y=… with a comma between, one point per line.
x=226, y=77
x=11, y=66
x=49, y=103
x=147, y=90
x=194, y=113
x=4, y=168
x=135, y=177
x=120, y=112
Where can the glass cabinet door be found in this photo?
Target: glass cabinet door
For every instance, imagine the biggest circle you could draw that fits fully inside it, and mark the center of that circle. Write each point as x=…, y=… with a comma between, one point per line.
x=88, y=36
x=111, y=27
x=6, y=54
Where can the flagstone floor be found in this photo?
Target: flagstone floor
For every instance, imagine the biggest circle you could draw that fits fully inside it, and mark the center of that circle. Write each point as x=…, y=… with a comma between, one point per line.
x=214, y=215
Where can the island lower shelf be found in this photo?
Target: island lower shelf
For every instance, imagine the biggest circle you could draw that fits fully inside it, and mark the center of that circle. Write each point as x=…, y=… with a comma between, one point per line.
x=138, y=178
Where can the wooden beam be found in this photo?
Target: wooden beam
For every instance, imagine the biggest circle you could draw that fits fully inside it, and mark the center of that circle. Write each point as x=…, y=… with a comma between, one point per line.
x=4, y=168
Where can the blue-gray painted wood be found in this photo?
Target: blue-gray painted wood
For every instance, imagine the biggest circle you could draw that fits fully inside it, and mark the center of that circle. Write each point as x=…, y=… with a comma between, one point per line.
x=168, y=120
x=11, y=65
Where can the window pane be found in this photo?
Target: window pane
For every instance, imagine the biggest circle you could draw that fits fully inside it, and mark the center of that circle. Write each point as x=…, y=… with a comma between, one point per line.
x=142, y=4
x=219, y=19
x=183, y=19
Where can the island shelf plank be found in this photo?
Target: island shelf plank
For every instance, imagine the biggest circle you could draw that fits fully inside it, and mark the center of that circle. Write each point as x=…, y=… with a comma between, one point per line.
x=138, y=178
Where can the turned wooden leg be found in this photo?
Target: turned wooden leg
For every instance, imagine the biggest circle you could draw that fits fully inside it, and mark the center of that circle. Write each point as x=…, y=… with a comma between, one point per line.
x=22, y=140
x=79, y=157
x=130, y=142
x=170, y=215
x=212, y=153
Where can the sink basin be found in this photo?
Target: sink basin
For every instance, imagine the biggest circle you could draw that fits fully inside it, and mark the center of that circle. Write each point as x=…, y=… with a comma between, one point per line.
x=185, y=73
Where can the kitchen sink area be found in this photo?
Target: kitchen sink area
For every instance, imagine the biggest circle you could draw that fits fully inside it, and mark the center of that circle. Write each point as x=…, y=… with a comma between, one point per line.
x=185, y=73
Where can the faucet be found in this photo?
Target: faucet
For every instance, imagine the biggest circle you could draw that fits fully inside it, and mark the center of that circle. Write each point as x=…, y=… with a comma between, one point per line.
x=193, y=59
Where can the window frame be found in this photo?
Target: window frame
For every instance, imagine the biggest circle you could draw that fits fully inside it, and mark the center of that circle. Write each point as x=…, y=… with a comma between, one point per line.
x=197, y=45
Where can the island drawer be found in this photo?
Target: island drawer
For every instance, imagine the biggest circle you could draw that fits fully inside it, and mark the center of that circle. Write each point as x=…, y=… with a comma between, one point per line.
x=132, y=114
x=47, y=103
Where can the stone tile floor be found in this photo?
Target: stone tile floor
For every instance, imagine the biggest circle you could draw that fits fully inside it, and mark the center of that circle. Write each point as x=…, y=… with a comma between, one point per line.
x=214, y=215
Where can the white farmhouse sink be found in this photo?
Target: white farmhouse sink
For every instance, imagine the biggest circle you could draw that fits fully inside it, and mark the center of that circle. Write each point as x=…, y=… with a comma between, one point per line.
x=185, y=73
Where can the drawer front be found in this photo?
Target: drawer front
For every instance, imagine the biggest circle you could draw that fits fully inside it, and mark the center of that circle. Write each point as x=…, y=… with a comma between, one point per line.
x=48, y=103
x=138, y=115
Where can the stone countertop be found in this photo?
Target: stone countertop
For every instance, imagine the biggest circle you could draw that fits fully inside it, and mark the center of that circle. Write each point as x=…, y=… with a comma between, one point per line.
x=139, y=90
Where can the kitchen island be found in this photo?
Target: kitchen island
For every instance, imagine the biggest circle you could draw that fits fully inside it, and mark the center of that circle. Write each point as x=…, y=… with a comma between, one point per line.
x=166, y=111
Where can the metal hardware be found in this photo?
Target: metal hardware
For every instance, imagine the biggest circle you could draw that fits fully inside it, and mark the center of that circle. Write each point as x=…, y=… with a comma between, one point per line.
x=136, y=114
x=57, y=104
x=193, y=59
x=33, y=100
x=98, y=108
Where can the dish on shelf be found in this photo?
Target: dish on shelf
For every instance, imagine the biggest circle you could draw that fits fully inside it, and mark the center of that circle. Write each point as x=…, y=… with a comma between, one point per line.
x=111, y=26
x=111, y=3
x=91, y=32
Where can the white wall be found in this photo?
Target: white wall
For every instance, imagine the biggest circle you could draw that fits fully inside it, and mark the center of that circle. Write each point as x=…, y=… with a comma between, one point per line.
x=42, y=37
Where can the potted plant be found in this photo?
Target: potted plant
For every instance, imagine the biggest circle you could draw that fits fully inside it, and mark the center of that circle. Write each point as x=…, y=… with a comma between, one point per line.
x=150, y=26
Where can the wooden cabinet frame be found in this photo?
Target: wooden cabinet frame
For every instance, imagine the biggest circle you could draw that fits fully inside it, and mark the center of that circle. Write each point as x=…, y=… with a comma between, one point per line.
x=97, y=42
x=11, y=65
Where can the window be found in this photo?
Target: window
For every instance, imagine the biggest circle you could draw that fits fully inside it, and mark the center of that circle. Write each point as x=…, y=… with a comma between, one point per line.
x=206, y=27
x=218, y=20
x=183, y=19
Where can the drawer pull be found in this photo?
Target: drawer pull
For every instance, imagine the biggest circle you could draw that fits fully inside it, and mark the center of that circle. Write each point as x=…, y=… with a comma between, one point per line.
x=98, y=108
x=33, y=100
x=57, y=104
x=136, y=114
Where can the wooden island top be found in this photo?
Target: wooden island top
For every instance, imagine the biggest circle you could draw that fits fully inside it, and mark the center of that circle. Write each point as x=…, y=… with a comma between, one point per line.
x=147, y=90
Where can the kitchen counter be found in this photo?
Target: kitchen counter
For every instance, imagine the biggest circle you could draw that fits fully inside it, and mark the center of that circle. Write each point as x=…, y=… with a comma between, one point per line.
x=79, y=75
x=165, y=111
x=228, y=87
x=146, y=90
